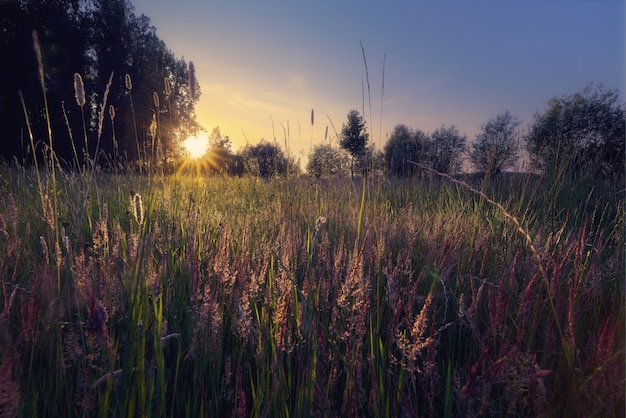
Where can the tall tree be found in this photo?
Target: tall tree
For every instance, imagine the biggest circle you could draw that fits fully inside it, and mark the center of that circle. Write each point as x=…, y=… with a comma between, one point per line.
x=95, y=38
x=583, y=132
x=496, y=148
x=403, y=146
x=265, y=160
x=62, y=43
x=354, y=139
x=445, y=150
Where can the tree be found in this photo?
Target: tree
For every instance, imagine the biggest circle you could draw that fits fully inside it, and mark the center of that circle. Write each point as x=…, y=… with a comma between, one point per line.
x=585, y=131
x=445, y=149
x=93, y=38
x=266, y=160
x=62, y=43
x=327, y=161
x=496, y=148
x=404, y=145
x=354, y=138
x=220, y=157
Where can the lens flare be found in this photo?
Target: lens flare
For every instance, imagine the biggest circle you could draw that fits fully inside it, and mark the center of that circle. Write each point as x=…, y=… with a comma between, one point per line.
x=196, y=146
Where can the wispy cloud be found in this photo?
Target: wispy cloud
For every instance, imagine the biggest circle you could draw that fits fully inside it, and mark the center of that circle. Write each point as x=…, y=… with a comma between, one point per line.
x=296, y=81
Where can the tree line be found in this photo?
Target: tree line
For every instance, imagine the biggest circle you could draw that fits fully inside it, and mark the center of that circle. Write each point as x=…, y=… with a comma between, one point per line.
x=581, y=135
x=101, y=54
x=96, y=46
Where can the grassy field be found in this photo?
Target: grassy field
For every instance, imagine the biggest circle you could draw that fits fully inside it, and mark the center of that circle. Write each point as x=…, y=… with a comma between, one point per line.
x=182, y=296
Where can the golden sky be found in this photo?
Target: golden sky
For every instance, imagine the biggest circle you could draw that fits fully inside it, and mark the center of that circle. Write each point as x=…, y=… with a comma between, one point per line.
x=263, y=66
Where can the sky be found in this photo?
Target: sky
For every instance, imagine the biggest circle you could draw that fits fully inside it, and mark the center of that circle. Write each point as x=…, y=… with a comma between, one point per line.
x=263, y=66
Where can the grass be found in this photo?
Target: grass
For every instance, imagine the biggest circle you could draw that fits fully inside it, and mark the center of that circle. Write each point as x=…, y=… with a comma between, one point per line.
x=308, y=298
x=133, y=295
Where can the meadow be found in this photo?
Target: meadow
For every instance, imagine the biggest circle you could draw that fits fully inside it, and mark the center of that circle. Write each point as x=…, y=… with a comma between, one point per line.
x=129, y=295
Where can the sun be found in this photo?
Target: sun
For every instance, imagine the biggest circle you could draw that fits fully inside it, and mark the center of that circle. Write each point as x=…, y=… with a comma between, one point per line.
x=196, y=146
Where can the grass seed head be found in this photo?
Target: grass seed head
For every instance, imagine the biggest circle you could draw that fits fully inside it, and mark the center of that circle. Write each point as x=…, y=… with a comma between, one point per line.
x=128, y=82
x=153, y=126
x=79, y=90
x=137, y=207
x=38, y=55
x=155, y=98
x=112, y=113
x=168, y=86
x=192, y=80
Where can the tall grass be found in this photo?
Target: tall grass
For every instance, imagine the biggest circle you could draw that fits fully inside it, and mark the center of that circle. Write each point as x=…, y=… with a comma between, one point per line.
x=297, y=297
x=233, y=296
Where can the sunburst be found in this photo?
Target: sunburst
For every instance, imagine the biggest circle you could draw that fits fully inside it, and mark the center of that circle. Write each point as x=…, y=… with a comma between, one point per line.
x=199, y=158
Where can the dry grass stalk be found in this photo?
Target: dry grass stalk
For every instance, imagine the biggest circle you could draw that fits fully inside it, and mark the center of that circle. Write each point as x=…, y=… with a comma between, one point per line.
x=79, y=90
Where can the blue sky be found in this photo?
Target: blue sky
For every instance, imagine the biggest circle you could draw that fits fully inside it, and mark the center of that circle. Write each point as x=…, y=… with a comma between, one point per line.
x=446, y=62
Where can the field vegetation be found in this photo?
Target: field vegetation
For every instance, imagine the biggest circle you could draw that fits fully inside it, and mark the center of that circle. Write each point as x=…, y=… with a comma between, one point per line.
x=135, y=284
x=220, y=296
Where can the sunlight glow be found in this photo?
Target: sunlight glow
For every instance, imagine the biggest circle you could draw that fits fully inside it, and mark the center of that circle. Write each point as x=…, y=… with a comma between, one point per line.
x=196, y=146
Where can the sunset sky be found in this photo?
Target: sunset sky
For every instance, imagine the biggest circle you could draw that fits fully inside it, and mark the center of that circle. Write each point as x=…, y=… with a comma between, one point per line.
x=447, y=62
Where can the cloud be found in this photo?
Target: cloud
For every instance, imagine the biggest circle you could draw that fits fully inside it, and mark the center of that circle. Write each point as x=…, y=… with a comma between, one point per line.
x=296, y=81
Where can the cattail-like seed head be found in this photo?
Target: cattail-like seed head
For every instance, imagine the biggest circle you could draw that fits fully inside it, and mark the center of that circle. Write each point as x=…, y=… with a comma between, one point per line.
x=112, y=112
x=153, y=126
x=128, y=82
x=79, y=90
x=155, y=98
x=192, y=80
x=168, y=86
x=312, y=117
x=137, y=206
x=38, y=55
x=326, y=133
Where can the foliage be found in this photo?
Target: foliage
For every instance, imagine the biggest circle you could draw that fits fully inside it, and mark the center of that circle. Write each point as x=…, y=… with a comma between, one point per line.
x=96, y=39
x=219, y=141
x=233, y=296
x=327, y=161
x=445, y=149
x=496, y=148
x=353, y=138
x=266, y=160
x=221, y=157
x=584, y=131
x=404, y=145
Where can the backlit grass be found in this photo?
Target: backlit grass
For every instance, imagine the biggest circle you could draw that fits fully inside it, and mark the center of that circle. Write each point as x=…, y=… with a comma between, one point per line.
x=302, y=297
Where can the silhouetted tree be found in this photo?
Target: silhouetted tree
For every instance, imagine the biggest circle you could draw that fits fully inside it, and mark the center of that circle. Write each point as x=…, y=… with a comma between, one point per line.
x=93, y=38
x=354, y=138
x=404, y=145
x=496, y=148
x=221, y=158
x=445, y=149
x=265, y=160
x=62, y=42
x=327, y=161
x=583, y=132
